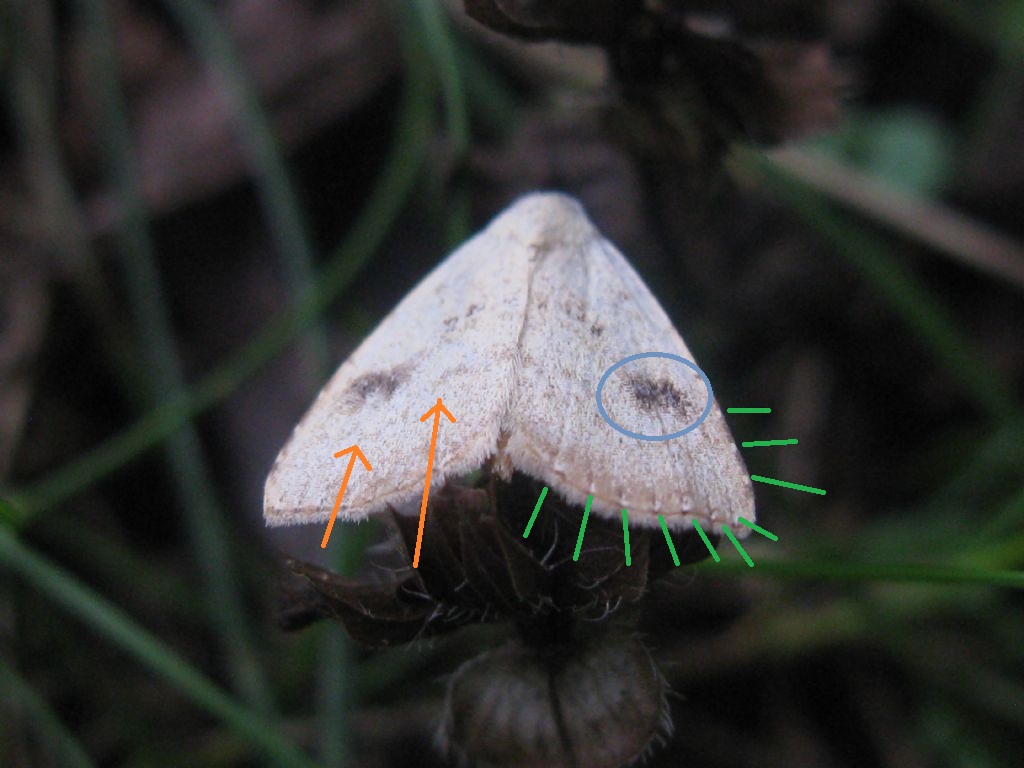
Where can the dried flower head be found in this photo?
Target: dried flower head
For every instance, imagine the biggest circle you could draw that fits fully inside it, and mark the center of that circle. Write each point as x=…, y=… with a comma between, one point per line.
x=575, y=686
x=694, y=76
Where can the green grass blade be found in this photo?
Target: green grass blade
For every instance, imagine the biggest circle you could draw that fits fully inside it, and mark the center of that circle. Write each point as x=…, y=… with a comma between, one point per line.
x=491, y=101
x=1009, y=519
x=12, y=512
x=431, y=29
x=337, y=678
x=107, y=559
x=185, y=454
x=334, y=695
x=274, y=185
x=119, y=629
x=905, y=294
x=910, y=573
x=16, y=694
x=367, y=233
x=33, y=101
x=1000, y=543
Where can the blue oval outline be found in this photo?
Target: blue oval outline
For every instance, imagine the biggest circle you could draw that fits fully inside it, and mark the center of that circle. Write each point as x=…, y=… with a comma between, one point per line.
x=667, y=356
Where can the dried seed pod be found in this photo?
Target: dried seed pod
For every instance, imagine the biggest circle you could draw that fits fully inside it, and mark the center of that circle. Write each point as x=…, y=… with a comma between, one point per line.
x=598, y=704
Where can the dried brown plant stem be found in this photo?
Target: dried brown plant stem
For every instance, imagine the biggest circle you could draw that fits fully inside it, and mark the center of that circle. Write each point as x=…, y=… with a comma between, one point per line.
x=947, y=231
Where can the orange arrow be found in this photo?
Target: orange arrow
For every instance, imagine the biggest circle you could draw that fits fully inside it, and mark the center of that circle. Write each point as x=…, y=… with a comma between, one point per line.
x=356, y=454
x=436, y=412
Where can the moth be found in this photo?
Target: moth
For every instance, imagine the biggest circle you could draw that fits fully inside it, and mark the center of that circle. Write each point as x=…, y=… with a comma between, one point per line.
x=514, y=331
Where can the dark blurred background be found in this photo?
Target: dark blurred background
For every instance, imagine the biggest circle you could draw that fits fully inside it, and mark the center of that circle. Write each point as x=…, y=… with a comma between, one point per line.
x=205, y=206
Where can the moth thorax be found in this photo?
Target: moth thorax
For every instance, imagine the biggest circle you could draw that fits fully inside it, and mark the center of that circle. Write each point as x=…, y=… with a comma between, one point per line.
x=595, y=704
x=500, y=463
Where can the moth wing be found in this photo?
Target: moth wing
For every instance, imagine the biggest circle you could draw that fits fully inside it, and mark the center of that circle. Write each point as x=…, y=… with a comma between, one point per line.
x=588, y=309
x=454, y=337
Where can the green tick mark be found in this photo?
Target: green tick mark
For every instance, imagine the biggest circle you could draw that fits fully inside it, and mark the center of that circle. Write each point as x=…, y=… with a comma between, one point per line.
x=536, y=509
x=784, y=484
x=737, y=545
x=759, y=529
x=707, y=543
x=625, y=536
x=668, y=540
x=583, y=528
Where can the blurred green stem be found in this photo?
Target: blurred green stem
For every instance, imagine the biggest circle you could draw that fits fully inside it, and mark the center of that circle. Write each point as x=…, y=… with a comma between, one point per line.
x=32, y=87
x=274, y=185
x=196, y=492
x=118, y=628
x=414, y=127
x=432, y=28
x=18, y=697
x=337, y=680
x=1000, y=543
x=108, y=559
x=993, y=691
x=997, y=462
x=491, y=100
x=912, y=302
x=910, y=573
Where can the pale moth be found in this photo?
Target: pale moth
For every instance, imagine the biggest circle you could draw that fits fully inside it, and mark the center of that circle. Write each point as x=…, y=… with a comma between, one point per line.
x=513, y=331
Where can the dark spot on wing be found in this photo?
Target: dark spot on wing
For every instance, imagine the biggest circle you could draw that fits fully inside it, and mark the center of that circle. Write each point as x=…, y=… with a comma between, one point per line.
x=450, y=322
x=661, y=395
x=576, y=309
x=379, y=384
x=596, y=329
x=539, y=250
x=473, y=309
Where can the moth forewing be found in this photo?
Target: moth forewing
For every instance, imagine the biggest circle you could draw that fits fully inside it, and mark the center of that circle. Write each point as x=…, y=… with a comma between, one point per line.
x=589, y=309
x=433, y=344
x=514, y=330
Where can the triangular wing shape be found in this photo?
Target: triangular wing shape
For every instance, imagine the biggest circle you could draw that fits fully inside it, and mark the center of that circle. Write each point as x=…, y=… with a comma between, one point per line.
x=514, y=331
